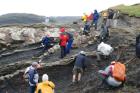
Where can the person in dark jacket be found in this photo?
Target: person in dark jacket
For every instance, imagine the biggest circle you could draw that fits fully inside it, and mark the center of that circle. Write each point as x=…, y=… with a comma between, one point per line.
x=33, y=76
x=95, y=18
x=63, y=42
x=138, y=46
x=79, y=66
x=109, y=22
x=138, y=39
x=70, y=41
x=104, y=33
x=86, y=28
x=47, y=42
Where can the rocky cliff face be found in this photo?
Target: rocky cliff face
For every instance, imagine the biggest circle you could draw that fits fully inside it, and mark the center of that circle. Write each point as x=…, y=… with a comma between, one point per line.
x=124, y=19
x=24, y=35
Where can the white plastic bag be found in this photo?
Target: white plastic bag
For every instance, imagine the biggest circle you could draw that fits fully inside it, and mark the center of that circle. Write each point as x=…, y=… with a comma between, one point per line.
x=105, y=49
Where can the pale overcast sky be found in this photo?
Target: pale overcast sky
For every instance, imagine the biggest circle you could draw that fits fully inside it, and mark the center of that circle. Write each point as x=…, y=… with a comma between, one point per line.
x=58, y=7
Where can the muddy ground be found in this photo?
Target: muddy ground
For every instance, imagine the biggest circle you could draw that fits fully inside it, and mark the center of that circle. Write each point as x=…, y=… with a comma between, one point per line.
x=62, y=75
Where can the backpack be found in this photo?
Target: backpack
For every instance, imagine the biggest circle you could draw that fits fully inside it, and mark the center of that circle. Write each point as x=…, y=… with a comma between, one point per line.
x=26, y=74
x=118, y=71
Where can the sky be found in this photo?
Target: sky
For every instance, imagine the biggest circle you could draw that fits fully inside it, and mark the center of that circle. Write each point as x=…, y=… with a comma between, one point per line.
x=58, y=7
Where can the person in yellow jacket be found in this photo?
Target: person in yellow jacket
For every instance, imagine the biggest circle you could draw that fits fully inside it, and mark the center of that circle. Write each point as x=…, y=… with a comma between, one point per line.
x=84, y=18
x=45, y=86
x=104, y=15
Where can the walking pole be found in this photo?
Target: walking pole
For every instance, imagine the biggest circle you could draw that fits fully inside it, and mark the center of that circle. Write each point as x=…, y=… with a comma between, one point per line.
x=132, y=59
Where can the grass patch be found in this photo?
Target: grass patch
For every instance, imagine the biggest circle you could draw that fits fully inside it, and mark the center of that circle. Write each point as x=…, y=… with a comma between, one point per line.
x=133, y=10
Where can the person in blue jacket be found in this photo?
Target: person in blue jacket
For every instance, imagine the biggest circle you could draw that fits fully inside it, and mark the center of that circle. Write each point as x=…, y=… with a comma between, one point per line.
x=47, y=42
x=79, y=66
x=70, y=41
x=33, y=76
x=95, y=18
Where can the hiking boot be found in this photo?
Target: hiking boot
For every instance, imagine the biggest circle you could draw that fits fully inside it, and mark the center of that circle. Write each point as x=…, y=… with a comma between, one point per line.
x=98, y=60
x=72, y=83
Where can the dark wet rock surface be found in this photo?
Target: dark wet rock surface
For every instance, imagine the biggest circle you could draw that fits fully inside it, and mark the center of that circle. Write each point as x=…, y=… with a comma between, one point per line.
x=61, y=75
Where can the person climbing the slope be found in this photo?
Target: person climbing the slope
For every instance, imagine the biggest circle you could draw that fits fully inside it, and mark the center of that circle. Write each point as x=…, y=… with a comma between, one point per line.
x=86, y=28
x=84, y=18
x=95, y=18
x=114, y=75
x=109, y=22
x=45, y=86
x=86, y=21
x=79, y=67
x=63, y=42
x=91, y=18
x=104, y=33
x=32, y=76
x=104, y=16
x=70, y=42
x=47, y=42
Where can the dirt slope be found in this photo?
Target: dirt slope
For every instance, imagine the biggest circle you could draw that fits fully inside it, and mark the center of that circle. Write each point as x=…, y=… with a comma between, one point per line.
x=62, y=75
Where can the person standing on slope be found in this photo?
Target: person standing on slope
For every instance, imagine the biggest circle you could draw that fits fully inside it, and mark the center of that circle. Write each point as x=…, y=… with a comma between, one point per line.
x=63, y=42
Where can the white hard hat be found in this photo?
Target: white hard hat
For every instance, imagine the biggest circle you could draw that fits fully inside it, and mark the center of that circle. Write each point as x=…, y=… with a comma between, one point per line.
x=45, y=77
x=82, y=52
x=113, y=62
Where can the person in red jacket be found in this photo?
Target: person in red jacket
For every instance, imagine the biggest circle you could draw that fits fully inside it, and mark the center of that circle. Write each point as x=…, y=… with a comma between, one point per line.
x=63, y=41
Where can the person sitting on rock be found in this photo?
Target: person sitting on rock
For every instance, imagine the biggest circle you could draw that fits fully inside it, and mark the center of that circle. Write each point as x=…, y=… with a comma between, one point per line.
x=103, y=50
x=45, y=86
x=114, y=75
x=79, y=66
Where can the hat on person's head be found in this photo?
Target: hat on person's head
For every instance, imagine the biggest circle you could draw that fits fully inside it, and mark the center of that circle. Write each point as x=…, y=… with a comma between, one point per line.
x=45, y=77
x=48, y=35
x=113, y=62
x=62, y=29
x=82, y=52
x=34, y=63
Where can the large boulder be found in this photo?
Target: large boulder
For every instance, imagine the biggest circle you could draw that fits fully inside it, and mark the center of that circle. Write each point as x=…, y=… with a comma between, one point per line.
x=25, y=34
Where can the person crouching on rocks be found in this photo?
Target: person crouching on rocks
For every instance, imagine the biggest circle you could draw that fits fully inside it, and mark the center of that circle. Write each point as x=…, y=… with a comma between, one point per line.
x=79, y=66
x=114, y=75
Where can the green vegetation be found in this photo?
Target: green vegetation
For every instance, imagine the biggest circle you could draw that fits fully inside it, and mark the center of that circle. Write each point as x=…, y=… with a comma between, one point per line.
x=20, y=18
x=133, y=10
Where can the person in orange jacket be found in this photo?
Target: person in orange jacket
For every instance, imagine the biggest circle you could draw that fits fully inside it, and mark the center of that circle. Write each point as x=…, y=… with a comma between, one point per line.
x=63, y=41
x=45, y=86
